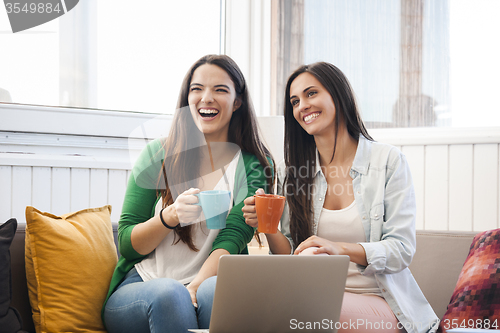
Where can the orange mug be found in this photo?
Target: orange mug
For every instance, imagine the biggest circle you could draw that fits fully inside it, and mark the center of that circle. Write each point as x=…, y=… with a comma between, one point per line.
x=269, y=208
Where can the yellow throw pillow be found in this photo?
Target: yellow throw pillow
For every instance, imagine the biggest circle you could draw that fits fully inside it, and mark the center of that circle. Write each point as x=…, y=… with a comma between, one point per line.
x=69, y=263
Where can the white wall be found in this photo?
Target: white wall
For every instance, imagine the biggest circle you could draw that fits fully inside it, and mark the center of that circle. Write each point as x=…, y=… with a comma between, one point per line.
x=456, y=172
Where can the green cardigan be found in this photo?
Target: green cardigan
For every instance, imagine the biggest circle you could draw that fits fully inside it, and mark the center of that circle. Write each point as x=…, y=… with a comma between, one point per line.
x=141, y=197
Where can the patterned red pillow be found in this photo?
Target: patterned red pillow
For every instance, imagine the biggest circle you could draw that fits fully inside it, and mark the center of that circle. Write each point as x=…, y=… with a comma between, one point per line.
x=475, y=303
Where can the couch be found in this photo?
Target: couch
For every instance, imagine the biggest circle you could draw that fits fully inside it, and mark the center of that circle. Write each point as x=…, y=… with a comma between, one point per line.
x=443, y=252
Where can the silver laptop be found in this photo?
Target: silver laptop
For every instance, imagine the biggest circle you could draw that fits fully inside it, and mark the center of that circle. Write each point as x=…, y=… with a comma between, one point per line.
x=278, y=293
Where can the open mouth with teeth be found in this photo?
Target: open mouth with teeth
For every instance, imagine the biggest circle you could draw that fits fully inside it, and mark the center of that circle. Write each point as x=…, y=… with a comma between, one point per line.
x=208, y=113
x=311, y=117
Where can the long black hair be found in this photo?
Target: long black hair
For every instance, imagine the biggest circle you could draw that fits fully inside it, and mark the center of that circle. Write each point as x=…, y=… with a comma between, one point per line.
x=300, y=147
x=243, y=131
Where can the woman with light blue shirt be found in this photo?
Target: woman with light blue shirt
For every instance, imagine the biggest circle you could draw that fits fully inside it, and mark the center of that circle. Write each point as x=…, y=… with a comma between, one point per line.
x=348, y=195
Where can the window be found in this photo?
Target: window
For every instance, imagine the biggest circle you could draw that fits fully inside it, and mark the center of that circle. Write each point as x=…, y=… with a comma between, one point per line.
x=112, y=54
x=411, y=63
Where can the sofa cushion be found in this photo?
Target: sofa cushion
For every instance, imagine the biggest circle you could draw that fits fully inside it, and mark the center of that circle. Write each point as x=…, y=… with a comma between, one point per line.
x=443, y=252
x=69, y=263
x=475, y=303
x=10, y=321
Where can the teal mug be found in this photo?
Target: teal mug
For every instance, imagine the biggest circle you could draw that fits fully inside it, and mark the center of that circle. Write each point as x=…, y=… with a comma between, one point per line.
x=215, y=205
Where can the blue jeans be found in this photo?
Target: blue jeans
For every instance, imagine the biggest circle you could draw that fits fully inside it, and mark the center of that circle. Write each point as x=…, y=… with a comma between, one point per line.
x=159, y=305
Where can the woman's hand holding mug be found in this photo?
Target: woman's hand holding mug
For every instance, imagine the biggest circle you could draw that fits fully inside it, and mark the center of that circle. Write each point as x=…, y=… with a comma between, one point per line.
x=186, y=211
x=249, y=212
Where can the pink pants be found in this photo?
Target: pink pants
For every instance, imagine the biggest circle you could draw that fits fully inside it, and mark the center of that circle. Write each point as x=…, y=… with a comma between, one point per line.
x=367, y=313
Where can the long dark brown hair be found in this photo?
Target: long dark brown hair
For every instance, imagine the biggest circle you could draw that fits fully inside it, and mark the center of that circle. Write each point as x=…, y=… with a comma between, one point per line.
x=300, y=147
x=180, y=157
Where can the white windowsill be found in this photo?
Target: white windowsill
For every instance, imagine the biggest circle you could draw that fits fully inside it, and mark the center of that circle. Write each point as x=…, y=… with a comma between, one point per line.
x=85, y=122
x=69, y=137
x=436, y=135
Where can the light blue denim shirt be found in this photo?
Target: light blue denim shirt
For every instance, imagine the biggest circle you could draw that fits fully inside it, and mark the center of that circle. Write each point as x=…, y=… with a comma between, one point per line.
x=384, y=195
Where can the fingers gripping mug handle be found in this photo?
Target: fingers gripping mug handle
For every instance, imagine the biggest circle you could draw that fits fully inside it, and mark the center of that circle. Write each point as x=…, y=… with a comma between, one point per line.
x=199, y=199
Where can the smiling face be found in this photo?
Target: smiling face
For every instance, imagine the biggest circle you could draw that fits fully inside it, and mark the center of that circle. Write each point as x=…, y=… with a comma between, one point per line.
x=312, y=104
x=212, y=101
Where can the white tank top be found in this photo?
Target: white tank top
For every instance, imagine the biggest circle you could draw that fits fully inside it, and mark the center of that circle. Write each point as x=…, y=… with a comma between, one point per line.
x=345, y=225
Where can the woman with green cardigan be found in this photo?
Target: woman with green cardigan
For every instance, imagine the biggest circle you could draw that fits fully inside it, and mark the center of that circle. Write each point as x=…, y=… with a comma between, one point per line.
x=165, y=278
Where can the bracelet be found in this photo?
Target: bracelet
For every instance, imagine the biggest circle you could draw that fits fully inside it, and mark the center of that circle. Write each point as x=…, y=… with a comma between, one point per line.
x=163, y=221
